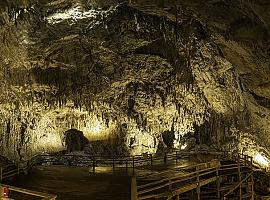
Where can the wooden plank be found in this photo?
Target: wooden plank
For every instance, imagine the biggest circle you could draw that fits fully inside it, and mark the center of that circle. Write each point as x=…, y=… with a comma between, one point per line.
x=193, y=186
x=29, y=192
x=154, y=196
x=166, y=179
x=153, y=188
x=179, y=191
x=238, y=184
x=134, y=195
x=165, y=185
x=10, y=172
x=222, y=169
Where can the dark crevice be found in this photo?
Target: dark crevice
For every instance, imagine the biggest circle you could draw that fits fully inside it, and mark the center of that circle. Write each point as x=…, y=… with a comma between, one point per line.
x=263, y=101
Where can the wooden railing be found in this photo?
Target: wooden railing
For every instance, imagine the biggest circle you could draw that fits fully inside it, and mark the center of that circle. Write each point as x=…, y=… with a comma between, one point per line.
x=177, y=184
x=44, y=196
x=112, y=161
x=173, y=183
x=246, y=161
x=238, y=185
x=197, y=175
x=12, y=170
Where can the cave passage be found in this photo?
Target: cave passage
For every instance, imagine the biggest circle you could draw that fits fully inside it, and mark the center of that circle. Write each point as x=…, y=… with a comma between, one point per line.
x=135, y=99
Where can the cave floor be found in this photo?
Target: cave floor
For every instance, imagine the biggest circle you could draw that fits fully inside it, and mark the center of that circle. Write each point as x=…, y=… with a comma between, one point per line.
x=70, y=183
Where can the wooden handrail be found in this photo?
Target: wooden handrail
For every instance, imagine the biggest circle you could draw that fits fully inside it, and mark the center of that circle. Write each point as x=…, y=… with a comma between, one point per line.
x=237, y=185
x=174, y=179
x=149, y=188
x=44, y=196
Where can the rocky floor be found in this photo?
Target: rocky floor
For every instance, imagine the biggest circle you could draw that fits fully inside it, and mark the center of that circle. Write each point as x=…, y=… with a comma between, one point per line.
x=70, y=183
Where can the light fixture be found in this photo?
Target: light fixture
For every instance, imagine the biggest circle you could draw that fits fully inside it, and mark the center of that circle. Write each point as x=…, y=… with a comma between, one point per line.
x=262, y=160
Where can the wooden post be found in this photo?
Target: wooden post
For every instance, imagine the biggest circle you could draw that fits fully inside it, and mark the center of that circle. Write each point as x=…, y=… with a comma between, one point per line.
x=1, y=174
x=126, y=165
x=177, y=197
x=134, y=195
x=151, y=157
x=176, y=160
x=18, y=168
x=94, y=164
x=239, y=177
x=113, y=164
x=252, y=187
x=246, y=161
x=28, y=167
x=165, y=158
x=133, y=164
x=198, y=184
x=218, y=183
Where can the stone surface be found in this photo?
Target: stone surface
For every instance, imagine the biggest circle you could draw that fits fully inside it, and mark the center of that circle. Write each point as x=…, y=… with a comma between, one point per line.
x=75, y=140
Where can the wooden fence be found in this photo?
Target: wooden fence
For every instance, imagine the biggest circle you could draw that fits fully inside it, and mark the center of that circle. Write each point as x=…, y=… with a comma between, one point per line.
x=110, y=161
x=171, y=186
x=195, y=176
x=12, y=170
x=43, y=196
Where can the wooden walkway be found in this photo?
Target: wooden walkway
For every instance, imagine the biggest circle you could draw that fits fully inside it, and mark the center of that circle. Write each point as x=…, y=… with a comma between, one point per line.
x=209, y=180
x=190, y=180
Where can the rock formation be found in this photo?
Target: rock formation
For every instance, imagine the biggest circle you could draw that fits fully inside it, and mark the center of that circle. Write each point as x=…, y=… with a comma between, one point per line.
x=75, y=140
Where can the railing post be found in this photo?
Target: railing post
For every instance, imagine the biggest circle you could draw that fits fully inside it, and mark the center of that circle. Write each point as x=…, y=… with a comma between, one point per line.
x=246, y=160
x=218, y=182
x=134, y=195
x=252, y=187
x=133, y=164
x=94, y=164
x=28, y=167
x=198, y=184
x=126, y=165
x=170, y=184
x=18, y=168
x=113, y=164
x=239, y=176
x=1, y=174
